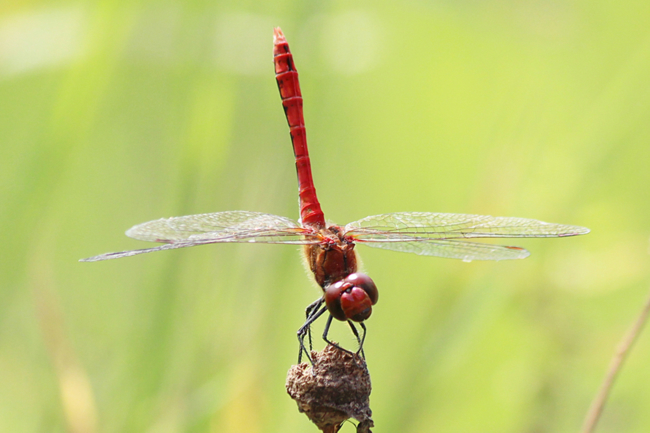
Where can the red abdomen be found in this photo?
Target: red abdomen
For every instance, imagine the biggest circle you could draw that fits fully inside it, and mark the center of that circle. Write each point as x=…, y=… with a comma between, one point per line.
x=286, y=75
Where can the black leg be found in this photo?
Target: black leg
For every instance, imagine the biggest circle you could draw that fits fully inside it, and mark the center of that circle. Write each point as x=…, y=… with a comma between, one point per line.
x=359, y=340
x=308, y=311
x=363, y=339
x=314, y=314
x=327, y=330
x=311, y=308
x=354, y=331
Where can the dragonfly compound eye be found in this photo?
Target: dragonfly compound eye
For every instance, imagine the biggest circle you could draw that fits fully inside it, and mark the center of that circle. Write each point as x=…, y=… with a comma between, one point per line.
x=364, y=282
x=356, y=304
x=333, y=298
x=351, y=298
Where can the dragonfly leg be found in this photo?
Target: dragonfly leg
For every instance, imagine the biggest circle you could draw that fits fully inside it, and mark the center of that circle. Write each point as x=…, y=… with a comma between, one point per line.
x=359, y=340
x=363, y=339
x=304, y=330
x=327, y=330
x=308, y=311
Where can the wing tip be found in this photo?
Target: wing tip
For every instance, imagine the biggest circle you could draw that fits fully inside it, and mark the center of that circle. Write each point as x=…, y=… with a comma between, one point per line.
x=91, y=259
x=579, y=231
x=99, y=258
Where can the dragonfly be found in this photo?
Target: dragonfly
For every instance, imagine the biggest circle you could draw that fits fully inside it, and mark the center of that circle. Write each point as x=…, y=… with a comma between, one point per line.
x=348, y=295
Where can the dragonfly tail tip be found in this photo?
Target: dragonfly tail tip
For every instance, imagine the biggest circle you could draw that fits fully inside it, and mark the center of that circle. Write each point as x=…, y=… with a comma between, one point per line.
x=277, y=35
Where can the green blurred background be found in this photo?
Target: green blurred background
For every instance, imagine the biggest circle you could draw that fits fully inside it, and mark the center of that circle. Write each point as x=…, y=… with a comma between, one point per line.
x=115, y=113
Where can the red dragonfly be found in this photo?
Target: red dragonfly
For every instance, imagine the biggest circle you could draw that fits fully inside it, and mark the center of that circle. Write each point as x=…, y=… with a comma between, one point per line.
x=348, y=295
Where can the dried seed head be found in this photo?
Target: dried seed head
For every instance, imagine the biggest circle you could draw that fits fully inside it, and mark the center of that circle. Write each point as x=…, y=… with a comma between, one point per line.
x=335, y=389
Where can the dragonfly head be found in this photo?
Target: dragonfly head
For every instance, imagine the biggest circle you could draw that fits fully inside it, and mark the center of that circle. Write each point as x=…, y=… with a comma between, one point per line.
x=352, y=297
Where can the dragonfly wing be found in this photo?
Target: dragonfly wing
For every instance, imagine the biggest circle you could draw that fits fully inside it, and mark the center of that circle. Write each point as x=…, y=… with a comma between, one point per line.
x=453, y=249
x=231, y=226
x=445, y=235
x=220, y=227
x=118, y=255
x=429, y=226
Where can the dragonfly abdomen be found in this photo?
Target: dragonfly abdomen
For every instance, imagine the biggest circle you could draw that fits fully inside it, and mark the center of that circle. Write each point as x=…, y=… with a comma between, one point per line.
x=286, y=76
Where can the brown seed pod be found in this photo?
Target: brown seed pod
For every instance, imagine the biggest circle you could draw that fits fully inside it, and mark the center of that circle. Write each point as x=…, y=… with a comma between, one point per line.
x=335, y=389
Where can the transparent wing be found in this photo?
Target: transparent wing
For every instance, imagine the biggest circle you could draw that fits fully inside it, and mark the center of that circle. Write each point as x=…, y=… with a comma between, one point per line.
x=454, y=249
x=231, y=226
x=220, y=227
x=107, y=256
x=443, y=235
x=423, y=225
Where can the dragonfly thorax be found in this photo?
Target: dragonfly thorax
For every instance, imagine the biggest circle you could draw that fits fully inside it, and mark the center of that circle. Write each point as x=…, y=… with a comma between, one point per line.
x=349, y=295
x=333, y=258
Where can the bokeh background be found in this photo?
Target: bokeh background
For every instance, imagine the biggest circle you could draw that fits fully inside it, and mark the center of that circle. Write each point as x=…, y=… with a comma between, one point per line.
x=114, y=113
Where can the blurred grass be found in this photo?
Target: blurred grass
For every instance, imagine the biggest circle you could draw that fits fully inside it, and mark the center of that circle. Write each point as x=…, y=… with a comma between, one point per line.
x=116, y=113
